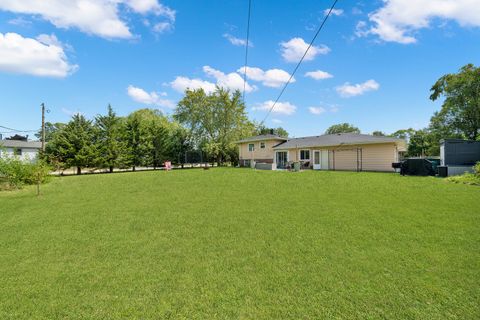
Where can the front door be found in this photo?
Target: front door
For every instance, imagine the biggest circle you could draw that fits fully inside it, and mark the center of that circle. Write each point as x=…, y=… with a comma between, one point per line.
x=316, y=160
x=281, y=159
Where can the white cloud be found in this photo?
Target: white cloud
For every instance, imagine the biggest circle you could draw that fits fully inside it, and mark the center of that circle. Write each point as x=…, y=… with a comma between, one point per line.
x=19, y=21
x=232, y=81
x=151, y=6
x=397, y=20
x=49, y=39
x=98, y=17
x=316, y=110
x=44, y=57
x=71, y=113
x=277, y=121
x=237, y=41
x=335, y=12
x=273, y=78
x=152, y=98
x=162, y=27
x=318, y=75
x=285, y=108
x=294, y=49
x=348, y=90
x=181, y=84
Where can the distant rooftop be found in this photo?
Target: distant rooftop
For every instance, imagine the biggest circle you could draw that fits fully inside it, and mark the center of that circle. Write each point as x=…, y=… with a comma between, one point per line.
x=263, y=137
x=335, y=140
x=20, y=144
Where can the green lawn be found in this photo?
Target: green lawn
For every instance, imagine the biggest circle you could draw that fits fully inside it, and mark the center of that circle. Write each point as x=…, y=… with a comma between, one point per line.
x=241, y=244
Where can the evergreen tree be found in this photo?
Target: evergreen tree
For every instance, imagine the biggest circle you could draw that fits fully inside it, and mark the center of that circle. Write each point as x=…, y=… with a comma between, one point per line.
x=110, y=144
x=131, y=136
x=73, y=145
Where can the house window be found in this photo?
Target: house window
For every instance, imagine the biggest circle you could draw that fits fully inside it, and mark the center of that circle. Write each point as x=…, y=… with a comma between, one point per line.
x=17, y=151
x=251, y=147
x=304, y=154
x=262, y=145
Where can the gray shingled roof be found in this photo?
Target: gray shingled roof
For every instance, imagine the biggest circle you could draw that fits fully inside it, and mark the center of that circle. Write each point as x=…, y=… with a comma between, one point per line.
x=334, y=140
x=262, y=137
x=20, y=144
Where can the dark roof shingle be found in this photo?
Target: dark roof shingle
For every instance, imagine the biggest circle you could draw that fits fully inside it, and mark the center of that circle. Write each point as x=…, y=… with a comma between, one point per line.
x=334, y=140
x=20, y=144
x=263, y=137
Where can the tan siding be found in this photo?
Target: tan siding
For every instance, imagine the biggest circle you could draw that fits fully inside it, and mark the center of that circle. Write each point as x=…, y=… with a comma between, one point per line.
x=374, y=157
x=345, y=159
x=292, y=155
x=378, y=157
x=260, y=154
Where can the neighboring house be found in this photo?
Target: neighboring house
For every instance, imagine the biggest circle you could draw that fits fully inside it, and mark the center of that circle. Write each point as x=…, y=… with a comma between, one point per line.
x=344, y=151
x=25, y=150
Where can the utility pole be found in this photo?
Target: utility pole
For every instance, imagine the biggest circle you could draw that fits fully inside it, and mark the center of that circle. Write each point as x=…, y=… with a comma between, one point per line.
x=43, y=127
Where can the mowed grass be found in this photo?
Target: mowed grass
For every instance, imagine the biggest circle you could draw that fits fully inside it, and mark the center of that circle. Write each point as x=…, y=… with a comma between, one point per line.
x=241, y=244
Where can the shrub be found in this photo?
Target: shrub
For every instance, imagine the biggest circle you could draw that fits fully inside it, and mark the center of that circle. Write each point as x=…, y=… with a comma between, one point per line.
x=468, y=178
x=18, y=173
x=476, y=169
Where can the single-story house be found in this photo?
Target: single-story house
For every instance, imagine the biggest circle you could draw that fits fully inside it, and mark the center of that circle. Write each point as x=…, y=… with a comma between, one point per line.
x=25, y=150
x=343, y=151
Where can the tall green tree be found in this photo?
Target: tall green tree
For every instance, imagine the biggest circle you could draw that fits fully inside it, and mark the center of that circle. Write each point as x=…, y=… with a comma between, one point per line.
x=215, y=121
x=403, y=133
x=146, y=133
x=131, y=136
x=73, y=145
x=460, y=113
x=279, y=131
x=179, y=143
x=421, y=144
x=110, y=145
x=342, y=128
x=50, y=129
x=378, y=133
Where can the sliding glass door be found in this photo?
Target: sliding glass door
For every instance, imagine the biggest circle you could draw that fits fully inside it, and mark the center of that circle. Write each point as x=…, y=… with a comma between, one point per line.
x=281, y=159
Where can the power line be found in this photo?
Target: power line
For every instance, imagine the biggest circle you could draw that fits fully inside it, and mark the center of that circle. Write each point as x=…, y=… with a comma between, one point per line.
x=301, y=60
x=15, y=130
x=246, y=49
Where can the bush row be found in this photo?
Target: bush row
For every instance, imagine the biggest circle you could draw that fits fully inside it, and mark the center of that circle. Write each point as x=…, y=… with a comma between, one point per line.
x=15, y=173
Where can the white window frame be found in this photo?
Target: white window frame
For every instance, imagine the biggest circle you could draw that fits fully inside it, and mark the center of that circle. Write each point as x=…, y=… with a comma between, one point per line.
x=253, y=148
x=300, y=155
x=263, y=144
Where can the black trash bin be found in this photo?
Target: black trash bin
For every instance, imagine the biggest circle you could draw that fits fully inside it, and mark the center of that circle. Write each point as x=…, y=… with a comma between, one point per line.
x=442, y=171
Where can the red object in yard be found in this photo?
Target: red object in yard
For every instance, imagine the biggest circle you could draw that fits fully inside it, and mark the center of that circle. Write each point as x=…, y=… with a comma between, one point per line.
x=168, y=165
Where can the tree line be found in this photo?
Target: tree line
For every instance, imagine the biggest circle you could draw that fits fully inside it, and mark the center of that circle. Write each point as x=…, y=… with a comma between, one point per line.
x=459, y=116
x=209, y=124
x=212, y=123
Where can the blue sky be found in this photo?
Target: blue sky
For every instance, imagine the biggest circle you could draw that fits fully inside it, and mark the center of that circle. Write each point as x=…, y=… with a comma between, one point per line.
x=373, y=63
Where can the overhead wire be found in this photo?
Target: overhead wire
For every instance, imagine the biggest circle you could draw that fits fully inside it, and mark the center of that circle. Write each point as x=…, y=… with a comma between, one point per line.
x=12, y=130
x=246, y=49
x=300, y=62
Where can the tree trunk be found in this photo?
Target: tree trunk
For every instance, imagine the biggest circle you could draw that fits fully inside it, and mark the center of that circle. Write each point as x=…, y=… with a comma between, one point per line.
x=111, y=169
x=79, y=170
x=133, y=168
